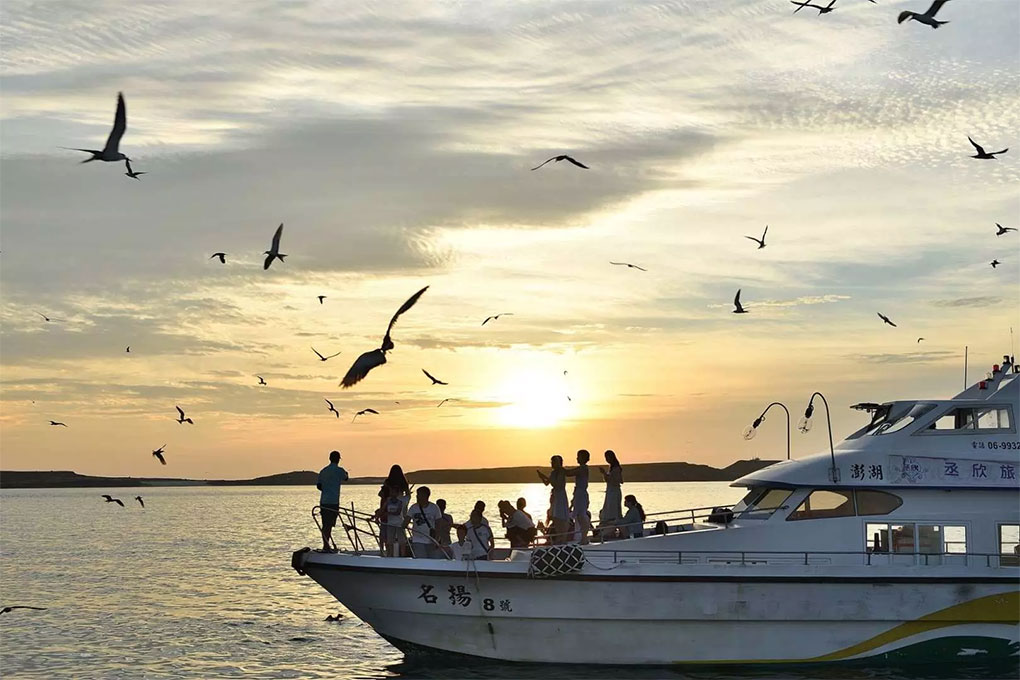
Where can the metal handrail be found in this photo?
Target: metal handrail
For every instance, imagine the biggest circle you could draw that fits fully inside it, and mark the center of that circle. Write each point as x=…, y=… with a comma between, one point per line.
x=752, y=557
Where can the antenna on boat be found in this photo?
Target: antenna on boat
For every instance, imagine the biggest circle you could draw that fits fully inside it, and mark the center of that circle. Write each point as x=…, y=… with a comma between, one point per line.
x=965, y=348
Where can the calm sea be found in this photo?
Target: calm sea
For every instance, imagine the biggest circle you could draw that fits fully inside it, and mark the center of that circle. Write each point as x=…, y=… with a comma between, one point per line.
x=198, y=584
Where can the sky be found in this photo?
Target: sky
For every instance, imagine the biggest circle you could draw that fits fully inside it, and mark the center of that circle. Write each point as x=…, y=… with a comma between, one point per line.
x=395, y=141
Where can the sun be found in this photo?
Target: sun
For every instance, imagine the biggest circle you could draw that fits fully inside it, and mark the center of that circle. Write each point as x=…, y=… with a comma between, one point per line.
x=533, y=399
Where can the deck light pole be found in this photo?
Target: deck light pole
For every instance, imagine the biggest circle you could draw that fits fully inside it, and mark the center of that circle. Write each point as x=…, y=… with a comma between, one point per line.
x=752, y=429
x=805, y=426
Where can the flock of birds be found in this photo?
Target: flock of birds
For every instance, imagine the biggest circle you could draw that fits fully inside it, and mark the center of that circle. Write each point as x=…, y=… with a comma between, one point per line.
x=376, y=357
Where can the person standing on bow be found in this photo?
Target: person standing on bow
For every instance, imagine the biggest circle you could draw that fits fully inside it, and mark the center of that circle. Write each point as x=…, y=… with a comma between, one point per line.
x=330, y=479
x=611, y=512
x=582, y=518
x=559, y=510
x=424, y=518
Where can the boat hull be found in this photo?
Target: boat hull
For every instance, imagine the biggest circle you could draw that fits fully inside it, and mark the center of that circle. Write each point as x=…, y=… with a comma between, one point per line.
x=630, y=615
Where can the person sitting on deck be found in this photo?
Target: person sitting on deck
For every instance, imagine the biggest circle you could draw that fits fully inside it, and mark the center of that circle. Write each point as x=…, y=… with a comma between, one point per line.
x=521, y=504
x=520, y=530
x=631, y=524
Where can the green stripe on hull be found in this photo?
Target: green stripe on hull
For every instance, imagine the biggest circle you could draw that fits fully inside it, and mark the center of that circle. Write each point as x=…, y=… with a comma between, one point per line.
x=969, y=649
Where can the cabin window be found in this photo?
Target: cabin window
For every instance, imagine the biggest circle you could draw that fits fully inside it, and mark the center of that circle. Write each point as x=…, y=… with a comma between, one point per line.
x=822, y=503
x=983, y=418
x=761, y=503
x=1009, y=545
x=876, y=502
x=925, y=539
x=908, y=418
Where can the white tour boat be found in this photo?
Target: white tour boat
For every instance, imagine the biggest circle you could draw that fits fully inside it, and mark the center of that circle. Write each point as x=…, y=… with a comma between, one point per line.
x=899, y=545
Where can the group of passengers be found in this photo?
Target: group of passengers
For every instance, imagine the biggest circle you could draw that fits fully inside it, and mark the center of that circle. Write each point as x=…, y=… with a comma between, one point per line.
x=424, y=529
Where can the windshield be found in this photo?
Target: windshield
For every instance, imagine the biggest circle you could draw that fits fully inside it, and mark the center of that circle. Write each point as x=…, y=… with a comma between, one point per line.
x=903, y=420
x=760, y=503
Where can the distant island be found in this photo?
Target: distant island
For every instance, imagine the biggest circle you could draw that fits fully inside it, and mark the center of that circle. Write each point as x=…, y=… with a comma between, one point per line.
x=635, y=472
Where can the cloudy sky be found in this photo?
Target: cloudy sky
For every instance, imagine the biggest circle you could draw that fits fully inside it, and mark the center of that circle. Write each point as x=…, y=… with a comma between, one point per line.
x=394, y=141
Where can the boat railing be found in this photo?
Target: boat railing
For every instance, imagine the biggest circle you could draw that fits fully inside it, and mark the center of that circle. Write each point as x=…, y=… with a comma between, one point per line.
x=798, y=557
x=364, y=531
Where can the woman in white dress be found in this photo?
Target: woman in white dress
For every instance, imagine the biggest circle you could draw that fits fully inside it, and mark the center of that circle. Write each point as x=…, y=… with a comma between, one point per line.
x=559, y=509
x=611, y=512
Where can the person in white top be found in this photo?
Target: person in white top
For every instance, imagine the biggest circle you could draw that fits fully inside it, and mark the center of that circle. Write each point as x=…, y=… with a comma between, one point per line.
x=519, y=527
x=478, y=540
x=423, y=517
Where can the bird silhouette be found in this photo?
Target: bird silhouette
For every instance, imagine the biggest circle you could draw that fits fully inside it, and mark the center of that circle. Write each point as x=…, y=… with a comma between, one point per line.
x=11, y=607
x=562, y=157
x=158, y=454
x=274, y=250
x=222, y=256
x=446, y=400
x=435, y=380
x=128, y=349
x=885, y=319
x=110, y=152
x=1003, y=230
x=995, y=263
x=47, y=318
x=111, y=499
x=321, y=298
x=131, y=173
x=760, y=241
x=363, y=412
x=494, y=317
x=927, y=18
x=54, y=422
x=919, y=340
x=629, y=265
x=332, y=409
x=737, y=307
x=262, y=381
x=140, y=501
x=322, y=358
x=377, y=357
x=181, y=419
x=821, y=10
x=985, y=155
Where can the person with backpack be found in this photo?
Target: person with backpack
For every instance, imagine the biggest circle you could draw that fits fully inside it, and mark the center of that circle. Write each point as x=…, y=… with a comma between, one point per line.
x=424, y=517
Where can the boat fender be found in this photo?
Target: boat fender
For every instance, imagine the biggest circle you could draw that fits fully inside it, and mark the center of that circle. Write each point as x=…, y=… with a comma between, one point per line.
x=297, y=560
x=555, y=560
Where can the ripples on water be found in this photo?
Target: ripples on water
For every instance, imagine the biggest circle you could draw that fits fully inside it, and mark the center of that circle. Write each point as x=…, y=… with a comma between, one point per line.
x=199, y=585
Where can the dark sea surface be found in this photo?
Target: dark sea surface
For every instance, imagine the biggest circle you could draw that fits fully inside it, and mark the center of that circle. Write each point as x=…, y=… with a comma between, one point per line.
x=198, y=584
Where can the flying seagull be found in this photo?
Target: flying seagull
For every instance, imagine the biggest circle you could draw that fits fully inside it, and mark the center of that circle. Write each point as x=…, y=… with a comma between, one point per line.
x=181, y=419
x=158, y=453
x=131, y=173
x=926, y=18
x=47, y=318
x=919, y=340
x=446, y=400
x=821, y=10
x=985, y=155
x=322, y=358
x=274, y=250
x=435, y=380
x=54, y=422
x=885, y=319
x=128, y=349
x=377, y=357
x=737, y=307
x=110, y=152
x=321, y=298
x=140, y=501
x=332, y=409
x=562, y=157
x=995, y=263
x=12, y=607
x=496, y=316
x=629, y=265
x=363, y=412
x=111, y=499
x=262, y=381
x=222, y=256
x=760, y=241
x=1002, y=230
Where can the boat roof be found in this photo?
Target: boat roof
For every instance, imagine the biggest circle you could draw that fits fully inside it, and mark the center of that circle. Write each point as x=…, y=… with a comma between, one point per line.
x=969, y=441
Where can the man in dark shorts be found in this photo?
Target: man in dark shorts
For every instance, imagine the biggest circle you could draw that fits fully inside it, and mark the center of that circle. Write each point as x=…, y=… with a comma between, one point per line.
x=330, y=479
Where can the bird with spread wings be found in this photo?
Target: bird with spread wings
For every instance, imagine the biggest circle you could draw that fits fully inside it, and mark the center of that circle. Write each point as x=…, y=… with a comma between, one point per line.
x=377, y=357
